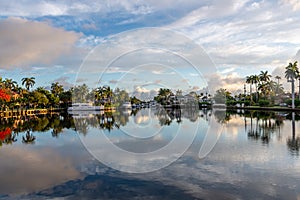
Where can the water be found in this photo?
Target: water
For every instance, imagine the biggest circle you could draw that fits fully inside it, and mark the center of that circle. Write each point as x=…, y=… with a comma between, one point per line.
x=256, y=156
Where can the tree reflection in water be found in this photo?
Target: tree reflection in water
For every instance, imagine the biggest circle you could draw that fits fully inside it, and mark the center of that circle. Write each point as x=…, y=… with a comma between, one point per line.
x=262, y=125
x=293, y=143
x=268, y=123
x=29, y=138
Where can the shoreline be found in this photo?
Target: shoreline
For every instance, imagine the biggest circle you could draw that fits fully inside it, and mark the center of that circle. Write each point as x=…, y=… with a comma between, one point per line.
x=264, y=108
x=28, y=112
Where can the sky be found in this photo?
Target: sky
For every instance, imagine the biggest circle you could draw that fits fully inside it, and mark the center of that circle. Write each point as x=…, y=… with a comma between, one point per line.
x=141, y=45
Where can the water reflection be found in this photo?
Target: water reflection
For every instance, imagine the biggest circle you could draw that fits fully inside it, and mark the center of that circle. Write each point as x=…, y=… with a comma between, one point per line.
x=293, y=142
x=264, y=125
x=258, y=156
x=259, y=126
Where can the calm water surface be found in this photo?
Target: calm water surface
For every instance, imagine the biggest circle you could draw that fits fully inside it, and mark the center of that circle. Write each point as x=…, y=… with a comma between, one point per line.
x=256, y=156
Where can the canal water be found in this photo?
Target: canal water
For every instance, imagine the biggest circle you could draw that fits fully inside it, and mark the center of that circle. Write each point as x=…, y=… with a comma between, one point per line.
x=254, y=155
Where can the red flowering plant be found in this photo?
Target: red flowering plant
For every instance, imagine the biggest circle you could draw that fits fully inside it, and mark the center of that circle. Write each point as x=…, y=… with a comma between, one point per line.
x=4, y=95
x=4, y=134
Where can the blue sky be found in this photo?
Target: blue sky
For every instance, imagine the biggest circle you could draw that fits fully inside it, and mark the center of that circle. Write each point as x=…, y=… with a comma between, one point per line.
x=51, y=39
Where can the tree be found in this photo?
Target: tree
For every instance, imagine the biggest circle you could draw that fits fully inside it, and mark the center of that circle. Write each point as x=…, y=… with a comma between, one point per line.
x=256, y=81
x=38, y=99
x=264, y=76
x=56, y=89
x=278, y=85
x=163, y=95
x=250, y=81
x=291, y=74
x=80, y=93
x=28, y=82
x=108, y=93
x=222, y=95
x=278, y=78
x=10, y=84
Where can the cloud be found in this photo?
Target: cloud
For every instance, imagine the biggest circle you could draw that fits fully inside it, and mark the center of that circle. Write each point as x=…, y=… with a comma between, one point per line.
x=232, y=82
x=64, y=81
x=240, y=35
x=144, y=93
x=24, y=43
x=26, y=162
x=113, y=81
x=294, y=3
x=71, y=7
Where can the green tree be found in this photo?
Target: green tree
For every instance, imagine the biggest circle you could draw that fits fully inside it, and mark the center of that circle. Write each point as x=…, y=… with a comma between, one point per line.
x=10, y=84
x=222, y=95
x=80, y=93
x=291, y=74
x=264, y=76
x=28, y=82
x=38, y=99
x=56, y=89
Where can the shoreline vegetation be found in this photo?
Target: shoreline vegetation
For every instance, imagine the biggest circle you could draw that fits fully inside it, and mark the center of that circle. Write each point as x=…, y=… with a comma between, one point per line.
x=268, y=94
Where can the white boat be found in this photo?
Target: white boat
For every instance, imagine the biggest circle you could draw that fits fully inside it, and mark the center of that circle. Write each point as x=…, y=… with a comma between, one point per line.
x=84, y=113
x=126, y=105
x=84, y=107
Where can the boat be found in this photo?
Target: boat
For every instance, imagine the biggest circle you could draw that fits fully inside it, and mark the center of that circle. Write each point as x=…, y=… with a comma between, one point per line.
x=84, y=113
x=84, y=107
x=126, y=105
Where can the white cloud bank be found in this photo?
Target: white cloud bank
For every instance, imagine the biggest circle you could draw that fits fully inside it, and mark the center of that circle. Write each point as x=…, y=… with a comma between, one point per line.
x=24, y=43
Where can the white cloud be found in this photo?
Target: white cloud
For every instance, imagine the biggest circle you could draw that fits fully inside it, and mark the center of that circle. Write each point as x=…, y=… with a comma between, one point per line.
x=241, y=35
x=232, y=82
x=24, y=42
x=71, y=7
x=294, y=3
x=34, y=164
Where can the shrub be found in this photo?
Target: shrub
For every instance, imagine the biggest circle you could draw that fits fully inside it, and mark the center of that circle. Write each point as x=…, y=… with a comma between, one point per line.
x=247, y=103
x=297, y=102
x=231, y=103
x=263, y=103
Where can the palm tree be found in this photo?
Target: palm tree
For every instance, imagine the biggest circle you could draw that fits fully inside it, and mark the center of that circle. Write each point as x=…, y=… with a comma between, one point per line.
x=250, y=81
x=10, y=84
x=278, y=78
x=264, y=76
x=56, y=89
x=28, y=82
x=107, y=92
x=278, y=84
x=256, y=81
x=292, y=73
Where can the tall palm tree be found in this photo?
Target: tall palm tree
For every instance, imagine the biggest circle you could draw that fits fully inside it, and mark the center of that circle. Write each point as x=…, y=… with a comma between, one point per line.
x=107, y=93
x=292, y=73
x=256, y=81
x=250, y=81
x=278, y=78
x=264, y=76
x=28, y=82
